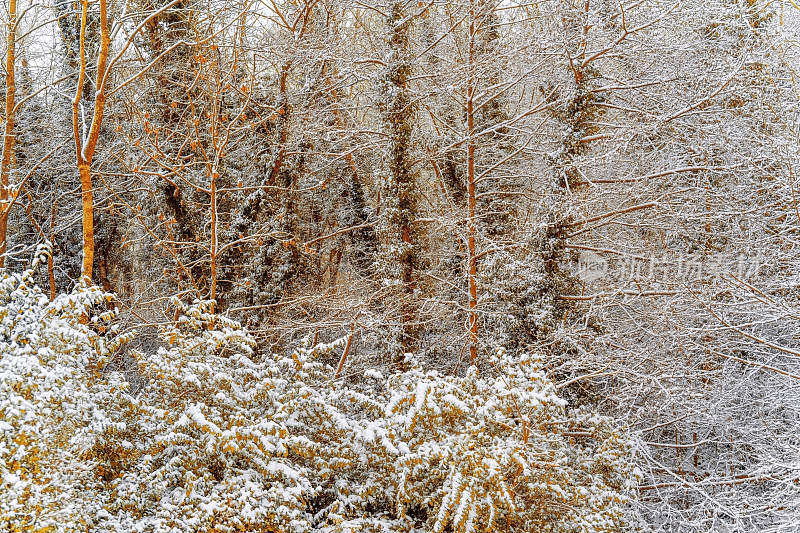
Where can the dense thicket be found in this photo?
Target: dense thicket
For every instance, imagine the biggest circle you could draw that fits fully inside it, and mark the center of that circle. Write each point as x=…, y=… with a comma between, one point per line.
x=484, y=202
x=218, y=439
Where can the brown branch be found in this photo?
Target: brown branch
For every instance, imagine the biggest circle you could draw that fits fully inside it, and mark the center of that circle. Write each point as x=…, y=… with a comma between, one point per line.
x=345, y=353
x=307, y=244
x=613, y=213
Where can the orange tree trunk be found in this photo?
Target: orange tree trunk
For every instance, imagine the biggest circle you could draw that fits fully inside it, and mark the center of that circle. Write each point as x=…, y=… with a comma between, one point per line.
x=87, y=203
x=85, y=152
x=8, y=133
x=471, y=197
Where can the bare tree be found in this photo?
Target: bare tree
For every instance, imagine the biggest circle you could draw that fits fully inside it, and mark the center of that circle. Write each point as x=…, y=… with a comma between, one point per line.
x=8, y=133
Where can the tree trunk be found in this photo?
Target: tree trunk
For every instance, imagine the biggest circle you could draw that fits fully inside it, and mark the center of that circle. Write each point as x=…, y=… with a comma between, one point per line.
x=214, y=239
x=87, y=201
x=8, y=134
x=399, y=212
x=471, y=196
x=85, y=153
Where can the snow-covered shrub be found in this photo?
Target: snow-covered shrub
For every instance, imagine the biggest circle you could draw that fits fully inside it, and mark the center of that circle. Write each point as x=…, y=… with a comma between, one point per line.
x=55, y=404
x=214, y=446
x=230, y=443
x=500, y=452
x=273, y=444
x=220, y=439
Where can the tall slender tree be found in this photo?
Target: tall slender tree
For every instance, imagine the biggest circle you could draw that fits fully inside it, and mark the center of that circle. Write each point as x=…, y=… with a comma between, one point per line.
x=8, y=129
x=399, y=255
x=85, y=145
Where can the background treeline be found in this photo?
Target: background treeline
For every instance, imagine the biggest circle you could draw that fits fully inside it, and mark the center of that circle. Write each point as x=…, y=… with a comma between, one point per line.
x=427, y=180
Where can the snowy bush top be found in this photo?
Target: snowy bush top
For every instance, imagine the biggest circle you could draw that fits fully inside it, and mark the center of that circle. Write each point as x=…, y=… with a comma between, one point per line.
x=221, y=440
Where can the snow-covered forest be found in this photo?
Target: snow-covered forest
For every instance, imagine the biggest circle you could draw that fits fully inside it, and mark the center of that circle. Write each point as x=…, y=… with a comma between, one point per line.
x=400, y=266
